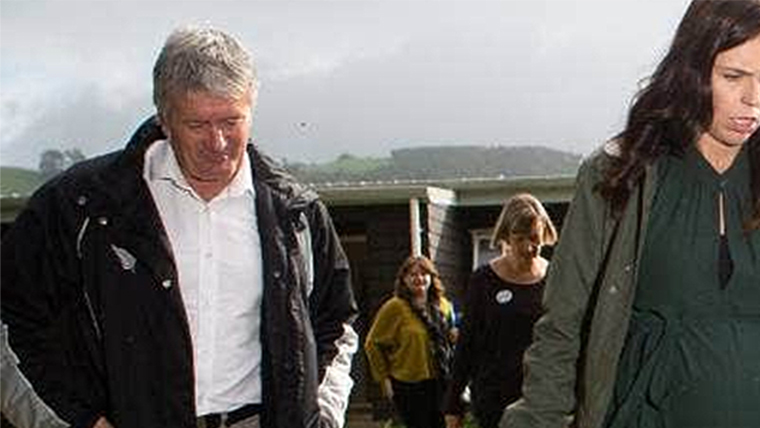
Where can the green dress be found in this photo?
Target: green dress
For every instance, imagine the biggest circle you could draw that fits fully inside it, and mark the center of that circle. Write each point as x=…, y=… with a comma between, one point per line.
x=692, y=355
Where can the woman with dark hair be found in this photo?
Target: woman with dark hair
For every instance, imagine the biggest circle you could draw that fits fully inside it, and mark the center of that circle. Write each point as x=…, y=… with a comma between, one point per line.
x=653, y=294
x=503, y=301
x=409, y=345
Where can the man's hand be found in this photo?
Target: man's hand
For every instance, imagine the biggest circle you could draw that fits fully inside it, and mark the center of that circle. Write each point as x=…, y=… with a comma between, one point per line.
x=102, y=422
x=388, y=388
x=454, y=421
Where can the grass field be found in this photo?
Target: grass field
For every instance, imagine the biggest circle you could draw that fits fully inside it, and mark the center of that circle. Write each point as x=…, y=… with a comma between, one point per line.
x=18, y=181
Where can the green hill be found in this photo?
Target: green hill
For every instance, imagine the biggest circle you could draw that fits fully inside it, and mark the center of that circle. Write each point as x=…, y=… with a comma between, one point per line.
x=420, y=163
x=437, y=163
x=18, y=181
x=345, y=168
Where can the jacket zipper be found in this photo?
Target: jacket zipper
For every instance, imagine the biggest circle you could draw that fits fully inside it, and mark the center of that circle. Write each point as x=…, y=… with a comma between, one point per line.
x=88, y=302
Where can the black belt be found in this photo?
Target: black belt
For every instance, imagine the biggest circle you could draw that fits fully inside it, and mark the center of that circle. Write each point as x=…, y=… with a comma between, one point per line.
x=215, y=420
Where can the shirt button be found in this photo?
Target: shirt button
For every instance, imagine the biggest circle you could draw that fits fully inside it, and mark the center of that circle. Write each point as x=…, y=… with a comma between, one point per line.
x=167, y=283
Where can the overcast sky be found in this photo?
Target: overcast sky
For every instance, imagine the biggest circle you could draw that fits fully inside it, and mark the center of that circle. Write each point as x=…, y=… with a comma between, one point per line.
x=347, y=76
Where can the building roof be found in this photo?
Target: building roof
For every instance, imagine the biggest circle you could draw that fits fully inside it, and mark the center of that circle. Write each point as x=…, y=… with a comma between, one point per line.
x=458, y=192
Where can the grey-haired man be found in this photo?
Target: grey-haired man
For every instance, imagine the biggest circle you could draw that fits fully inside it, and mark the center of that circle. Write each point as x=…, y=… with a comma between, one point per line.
x=184, y=281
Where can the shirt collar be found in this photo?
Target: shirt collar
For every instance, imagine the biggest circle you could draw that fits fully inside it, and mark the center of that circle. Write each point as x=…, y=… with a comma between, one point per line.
x=161, y=165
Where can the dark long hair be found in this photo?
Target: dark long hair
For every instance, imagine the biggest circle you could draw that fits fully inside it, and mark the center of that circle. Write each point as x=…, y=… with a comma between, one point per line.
x=675, y=106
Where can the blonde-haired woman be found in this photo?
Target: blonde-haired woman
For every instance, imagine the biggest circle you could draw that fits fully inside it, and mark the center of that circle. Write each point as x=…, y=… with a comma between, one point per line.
x=502, y=303
x=409, y=345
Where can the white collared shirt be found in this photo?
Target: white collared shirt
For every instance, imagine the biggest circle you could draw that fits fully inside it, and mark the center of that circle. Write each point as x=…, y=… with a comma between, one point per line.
x=217, y=250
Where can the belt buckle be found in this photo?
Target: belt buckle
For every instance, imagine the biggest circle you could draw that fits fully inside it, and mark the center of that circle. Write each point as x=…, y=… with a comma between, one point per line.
x=224, y=419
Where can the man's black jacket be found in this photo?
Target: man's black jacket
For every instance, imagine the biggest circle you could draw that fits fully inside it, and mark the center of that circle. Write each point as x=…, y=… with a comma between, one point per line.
x=90, y=295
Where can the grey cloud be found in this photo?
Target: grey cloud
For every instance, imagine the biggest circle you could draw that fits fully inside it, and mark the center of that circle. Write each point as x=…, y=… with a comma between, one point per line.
x=362, y=77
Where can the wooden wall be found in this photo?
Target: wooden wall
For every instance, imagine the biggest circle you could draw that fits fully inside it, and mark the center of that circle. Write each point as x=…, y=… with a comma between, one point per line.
x=376, y=240
x=447, y=243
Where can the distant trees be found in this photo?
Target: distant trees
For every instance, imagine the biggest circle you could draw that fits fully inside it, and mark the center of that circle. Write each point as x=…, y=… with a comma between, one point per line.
x=53, y=161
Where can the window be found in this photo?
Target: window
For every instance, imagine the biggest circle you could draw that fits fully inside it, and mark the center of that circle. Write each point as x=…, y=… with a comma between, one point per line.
x=481, y=247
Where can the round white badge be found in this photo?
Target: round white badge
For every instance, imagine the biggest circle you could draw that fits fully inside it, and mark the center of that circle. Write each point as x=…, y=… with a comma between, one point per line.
x=504, y=296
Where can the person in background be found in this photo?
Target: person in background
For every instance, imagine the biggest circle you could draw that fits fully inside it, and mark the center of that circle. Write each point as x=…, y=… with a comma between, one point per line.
x=410, y=344
x=184, y=281
x=503, y=301
x=652, y=299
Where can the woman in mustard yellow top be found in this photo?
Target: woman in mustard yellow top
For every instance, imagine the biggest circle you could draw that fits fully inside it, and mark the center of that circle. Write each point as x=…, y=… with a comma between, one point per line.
x=409, y=346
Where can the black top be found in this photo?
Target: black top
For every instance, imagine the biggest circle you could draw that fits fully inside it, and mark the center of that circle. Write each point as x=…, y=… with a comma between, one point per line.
x=496, y=329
